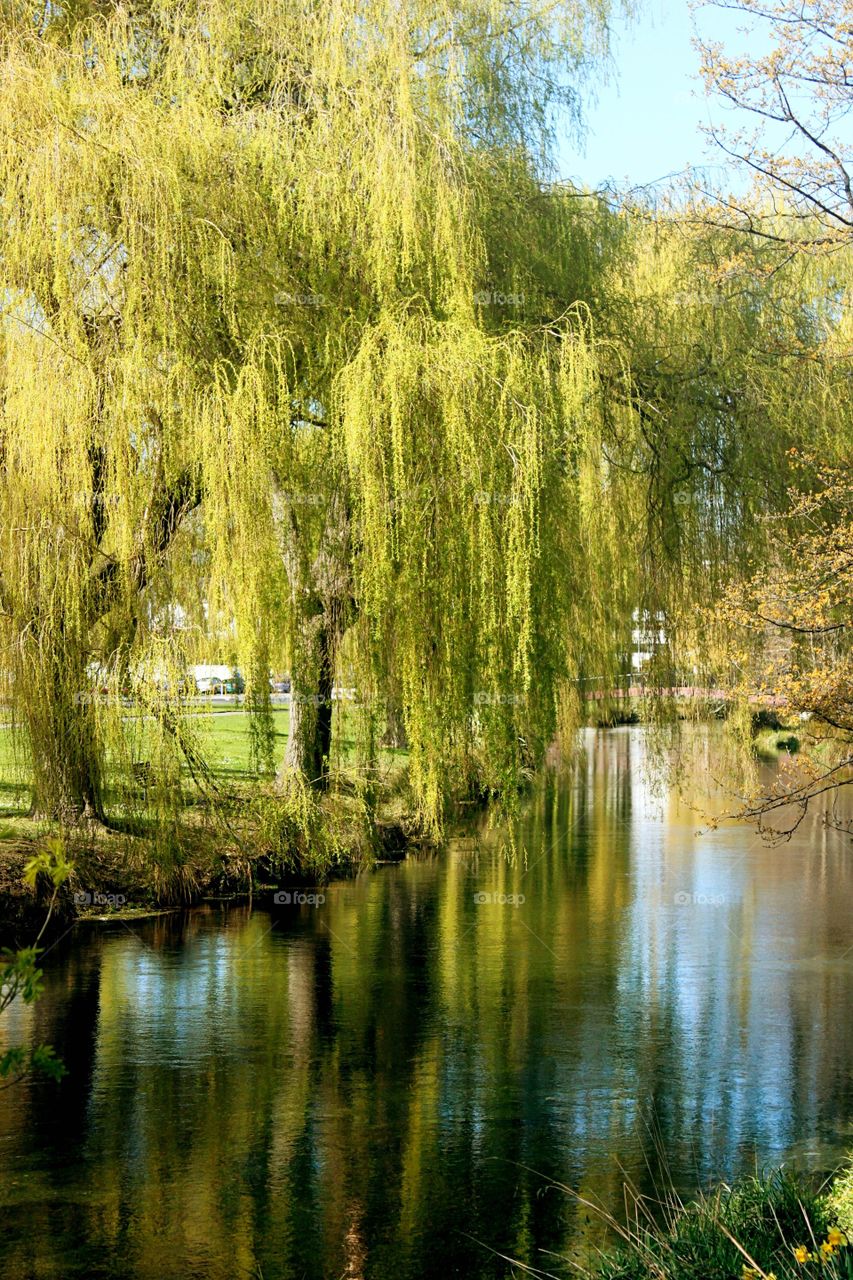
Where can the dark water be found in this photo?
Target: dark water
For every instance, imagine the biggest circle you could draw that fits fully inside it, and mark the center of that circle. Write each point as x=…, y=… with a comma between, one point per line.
x=388, y=1084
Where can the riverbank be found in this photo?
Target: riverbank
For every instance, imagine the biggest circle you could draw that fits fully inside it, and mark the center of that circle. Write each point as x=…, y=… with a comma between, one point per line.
x=125, y=875
x=230, y=834
x=782, y=1225
x=245, y=837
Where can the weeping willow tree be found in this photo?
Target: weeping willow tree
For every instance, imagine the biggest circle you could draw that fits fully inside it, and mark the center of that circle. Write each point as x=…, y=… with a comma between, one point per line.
x=204, y=208
x=298, y=336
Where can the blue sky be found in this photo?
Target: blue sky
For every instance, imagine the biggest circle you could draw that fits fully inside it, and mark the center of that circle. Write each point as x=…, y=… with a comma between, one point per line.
x=646, y=122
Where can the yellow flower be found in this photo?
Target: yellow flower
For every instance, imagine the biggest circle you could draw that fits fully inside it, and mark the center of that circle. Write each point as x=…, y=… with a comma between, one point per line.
x=802, y=1254
x=836, y=1238
x=750, y=1273
x=827, y=1249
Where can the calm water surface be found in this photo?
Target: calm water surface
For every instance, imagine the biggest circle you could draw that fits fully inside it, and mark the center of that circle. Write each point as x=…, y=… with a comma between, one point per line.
x=390, y=1084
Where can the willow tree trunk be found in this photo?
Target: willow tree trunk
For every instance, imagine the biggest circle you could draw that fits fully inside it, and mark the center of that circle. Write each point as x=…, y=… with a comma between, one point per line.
x=395, y=736
x=319, y=572
x=310, y=737
x=63, y=735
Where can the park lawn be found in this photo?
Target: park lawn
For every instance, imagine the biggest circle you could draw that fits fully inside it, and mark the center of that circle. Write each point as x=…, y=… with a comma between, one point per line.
x=120, y=855
x=14, y=779
x=226, y=745
x=223, y=739
x=225, y=742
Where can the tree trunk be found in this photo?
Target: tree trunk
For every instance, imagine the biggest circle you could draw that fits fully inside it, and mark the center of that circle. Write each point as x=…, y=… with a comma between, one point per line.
x=395, y=736
x=310, y=738
x=66, y=783
x=321, y=590
x=62, y=730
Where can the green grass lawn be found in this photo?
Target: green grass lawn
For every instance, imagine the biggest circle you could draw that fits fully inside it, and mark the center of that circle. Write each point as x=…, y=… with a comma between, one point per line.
x=225, y=743
x=14, y=778
x=222, y=736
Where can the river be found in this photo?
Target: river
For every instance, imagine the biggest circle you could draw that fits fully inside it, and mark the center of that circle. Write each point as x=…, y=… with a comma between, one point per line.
x=404, y=1080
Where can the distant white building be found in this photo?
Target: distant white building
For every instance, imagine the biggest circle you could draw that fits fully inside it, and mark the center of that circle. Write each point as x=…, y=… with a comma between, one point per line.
x=216, y=678
x=647, y=637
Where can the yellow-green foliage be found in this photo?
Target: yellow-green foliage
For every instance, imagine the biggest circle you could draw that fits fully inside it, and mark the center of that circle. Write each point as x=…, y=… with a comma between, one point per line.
x=256, y=248
x=203, y=207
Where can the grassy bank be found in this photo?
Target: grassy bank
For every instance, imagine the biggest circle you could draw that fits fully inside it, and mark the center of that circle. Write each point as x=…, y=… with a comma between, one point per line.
x=231, y=832
x=779, y=1226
